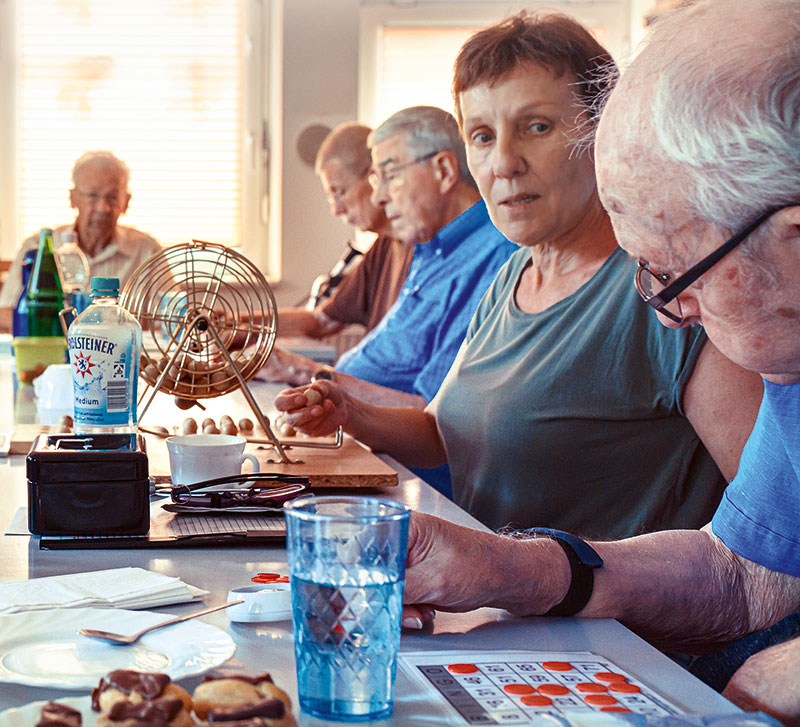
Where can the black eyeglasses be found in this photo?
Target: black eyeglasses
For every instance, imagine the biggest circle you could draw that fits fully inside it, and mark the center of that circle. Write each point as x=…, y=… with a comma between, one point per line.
x=379, y=177
x=660, y=294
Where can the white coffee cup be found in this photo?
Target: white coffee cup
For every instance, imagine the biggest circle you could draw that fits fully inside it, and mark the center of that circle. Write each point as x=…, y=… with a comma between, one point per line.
x=197, y=457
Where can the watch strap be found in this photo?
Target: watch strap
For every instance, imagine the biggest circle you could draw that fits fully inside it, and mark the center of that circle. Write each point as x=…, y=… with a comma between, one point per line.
x=583, y=559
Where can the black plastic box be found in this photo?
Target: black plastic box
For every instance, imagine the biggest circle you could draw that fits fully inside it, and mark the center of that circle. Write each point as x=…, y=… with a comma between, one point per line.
x=88, y=485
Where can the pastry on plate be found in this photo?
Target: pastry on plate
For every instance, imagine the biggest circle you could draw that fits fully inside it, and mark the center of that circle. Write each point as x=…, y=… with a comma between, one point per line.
x=239, y=698
x=128, y=698
x=59, y=715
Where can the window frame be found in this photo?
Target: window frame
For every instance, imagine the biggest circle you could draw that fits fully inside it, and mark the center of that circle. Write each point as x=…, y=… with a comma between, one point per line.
x=376, y=15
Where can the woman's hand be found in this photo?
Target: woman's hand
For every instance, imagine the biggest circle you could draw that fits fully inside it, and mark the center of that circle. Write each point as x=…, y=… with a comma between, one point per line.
x=317, y=410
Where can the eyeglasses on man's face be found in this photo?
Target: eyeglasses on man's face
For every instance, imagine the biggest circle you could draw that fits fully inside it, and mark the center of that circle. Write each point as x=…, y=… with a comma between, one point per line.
x=386, y=175
x=338, y=192
x=113, y=199
x=661, y=292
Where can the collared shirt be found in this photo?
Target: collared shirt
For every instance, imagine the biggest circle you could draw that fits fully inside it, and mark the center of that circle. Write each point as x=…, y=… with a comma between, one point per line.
x=759, y=516
x=412, y=348
x=128, y=249
x=371, y=288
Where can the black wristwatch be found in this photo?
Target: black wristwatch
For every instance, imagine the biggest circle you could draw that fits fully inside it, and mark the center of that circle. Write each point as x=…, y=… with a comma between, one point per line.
x=583, y=559
x=324, y=372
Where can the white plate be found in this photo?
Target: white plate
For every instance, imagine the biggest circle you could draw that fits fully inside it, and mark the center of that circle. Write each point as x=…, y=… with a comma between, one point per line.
x=43, y=648
x=29, y=714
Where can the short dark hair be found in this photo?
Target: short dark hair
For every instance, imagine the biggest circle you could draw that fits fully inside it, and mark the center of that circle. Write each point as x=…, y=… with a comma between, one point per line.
x=551, y=40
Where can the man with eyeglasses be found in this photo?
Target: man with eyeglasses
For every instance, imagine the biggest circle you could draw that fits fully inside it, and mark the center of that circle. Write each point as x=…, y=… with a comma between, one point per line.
x=370, y=288
x=101, y=194
x=698, y=166
x=421, y=181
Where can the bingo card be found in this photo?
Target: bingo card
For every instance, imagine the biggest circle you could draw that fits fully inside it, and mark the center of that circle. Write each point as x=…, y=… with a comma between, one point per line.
x=513, y=687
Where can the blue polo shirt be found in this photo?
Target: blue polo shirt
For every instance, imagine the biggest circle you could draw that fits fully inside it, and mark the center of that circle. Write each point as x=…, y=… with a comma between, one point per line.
x=412, y=348
x=759, y=516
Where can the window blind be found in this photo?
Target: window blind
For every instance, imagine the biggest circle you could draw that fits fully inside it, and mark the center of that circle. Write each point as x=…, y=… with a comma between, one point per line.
x=157, y=82
x=416, y=67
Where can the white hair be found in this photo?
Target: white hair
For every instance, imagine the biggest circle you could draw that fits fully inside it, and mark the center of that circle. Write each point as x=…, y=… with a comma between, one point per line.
x=728, y=107
x=102, y=158
x=425, y=129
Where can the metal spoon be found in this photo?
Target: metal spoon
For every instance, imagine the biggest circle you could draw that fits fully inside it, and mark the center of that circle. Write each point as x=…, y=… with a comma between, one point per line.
x=126, y=640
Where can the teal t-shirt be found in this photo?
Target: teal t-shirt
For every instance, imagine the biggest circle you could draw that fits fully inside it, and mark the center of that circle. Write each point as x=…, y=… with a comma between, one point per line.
x=571, y=418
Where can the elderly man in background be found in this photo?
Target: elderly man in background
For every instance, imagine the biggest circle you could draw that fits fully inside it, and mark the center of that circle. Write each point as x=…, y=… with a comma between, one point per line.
x=698, y=163
x=101, y=194
x=370, y=289
x=421, y=179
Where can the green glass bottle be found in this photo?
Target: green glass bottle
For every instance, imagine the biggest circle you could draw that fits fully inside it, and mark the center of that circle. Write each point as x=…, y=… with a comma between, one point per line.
x=45, y=296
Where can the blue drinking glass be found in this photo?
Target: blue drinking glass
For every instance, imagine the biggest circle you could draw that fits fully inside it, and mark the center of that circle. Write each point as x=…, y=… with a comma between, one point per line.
x=347, y=560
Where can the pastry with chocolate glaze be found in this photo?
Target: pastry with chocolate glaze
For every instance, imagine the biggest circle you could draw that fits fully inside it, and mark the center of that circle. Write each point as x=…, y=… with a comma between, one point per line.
x=240, y=698
x=59, y=715
x=161, y=712
x=130, y=687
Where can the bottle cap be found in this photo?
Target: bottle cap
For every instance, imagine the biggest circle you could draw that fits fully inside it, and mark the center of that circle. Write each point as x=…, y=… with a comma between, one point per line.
x=104, y=285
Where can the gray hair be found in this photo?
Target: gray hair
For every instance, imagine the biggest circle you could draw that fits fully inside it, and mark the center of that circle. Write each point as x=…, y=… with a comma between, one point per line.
x=102, y=158
x=730, y=111
x=426, y=129
x=346, y=143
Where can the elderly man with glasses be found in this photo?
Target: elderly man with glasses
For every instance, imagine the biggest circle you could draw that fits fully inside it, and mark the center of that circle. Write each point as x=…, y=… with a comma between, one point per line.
x=421, y=181
x=699, y=140
x=368, y=291
x=101, y=194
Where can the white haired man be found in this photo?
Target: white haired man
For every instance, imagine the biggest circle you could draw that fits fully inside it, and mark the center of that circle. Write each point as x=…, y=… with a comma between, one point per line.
x=100, y=194
x=698, y=162
x=371, y=288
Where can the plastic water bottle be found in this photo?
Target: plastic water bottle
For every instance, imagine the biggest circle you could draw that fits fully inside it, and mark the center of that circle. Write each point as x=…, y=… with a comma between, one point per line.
x=19, y=322
x=73, y=267
x=105, y=342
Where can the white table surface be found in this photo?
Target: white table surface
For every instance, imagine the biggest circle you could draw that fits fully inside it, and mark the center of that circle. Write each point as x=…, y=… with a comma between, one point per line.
x=269, y=646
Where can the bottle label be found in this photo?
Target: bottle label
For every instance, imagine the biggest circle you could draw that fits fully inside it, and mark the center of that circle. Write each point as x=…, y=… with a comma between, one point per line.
x=103, y=371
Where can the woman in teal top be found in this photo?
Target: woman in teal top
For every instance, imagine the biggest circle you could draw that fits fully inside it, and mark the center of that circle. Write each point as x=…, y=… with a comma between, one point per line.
x=568, y=405
x=572, y=416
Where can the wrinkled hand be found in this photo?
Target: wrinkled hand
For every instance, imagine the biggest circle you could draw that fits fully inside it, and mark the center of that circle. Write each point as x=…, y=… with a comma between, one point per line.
x=318, y=419
x=768, y=681
x=453, y=568
x=288, y=368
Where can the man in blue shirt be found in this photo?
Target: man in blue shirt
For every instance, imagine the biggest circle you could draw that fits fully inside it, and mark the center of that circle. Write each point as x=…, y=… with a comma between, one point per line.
x=420, y=177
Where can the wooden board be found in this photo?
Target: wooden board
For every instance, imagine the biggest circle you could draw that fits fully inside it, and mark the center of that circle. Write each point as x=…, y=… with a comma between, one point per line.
x=352, y=465
x=23, y=435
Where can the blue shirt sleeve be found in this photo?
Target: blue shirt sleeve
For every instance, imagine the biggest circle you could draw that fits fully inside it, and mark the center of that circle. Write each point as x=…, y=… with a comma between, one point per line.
x=759, y=516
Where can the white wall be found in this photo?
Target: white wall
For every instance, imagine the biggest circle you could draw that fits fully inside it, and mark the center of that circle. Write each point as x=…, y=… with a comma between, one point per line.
x=319, y=74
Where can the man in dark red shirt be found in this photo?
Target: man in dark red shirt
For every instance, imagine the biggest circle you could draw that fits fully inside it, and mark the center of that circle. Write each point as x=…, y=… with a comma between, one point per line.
x=372, y=286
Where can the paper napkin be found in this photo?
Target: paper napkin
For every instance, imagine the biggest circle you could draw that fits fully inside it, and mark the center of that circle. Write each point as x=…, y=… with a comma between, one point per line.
x=115, y=588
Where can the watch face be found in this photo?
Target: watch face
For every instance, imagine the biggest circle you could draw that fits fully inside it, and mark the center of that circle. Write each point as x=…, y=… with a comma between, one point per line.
x=322, y=374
